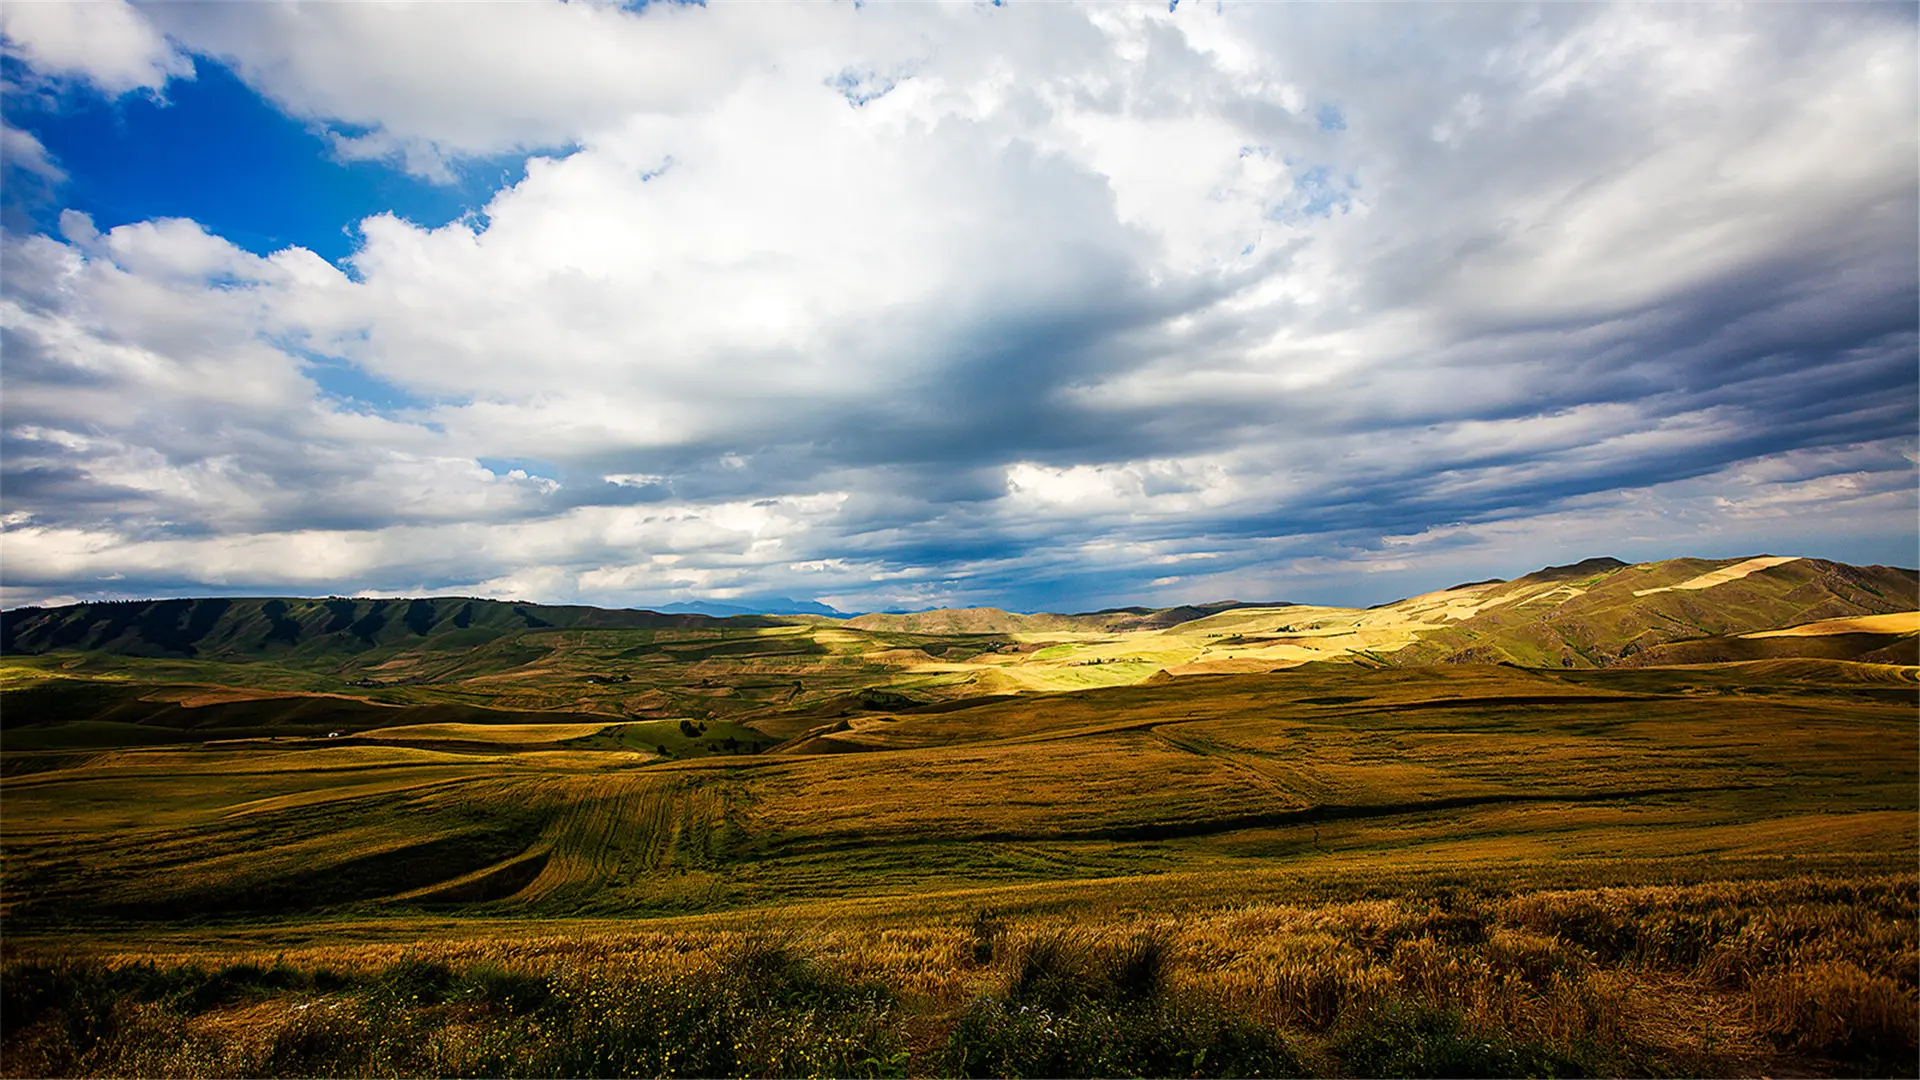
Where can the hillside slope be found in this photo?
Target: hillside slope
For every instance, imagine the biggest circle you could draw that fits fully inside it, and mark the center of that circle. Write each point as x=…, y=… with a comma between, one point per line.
x=988, y=620
x=1595, y=613
x=1601, y=613
x=237, y=630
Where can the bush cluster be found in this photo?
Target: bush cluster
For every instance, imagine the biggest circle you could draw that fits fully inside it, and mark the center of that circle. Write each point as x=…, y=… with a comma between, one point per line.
x=1076, y=1007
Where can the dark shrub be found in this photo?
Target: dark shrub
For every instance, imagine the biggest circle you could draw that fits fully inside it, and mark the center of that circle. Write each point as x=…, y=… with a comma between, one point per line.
x=987, y=930
x=505, y=990
x=1072, y=1008
x=1137, y=971
x=774, y=968
x=78, y=995
x=1415, y=1041
x=1094, y=1038
x=415, y=980
x=1053, y=972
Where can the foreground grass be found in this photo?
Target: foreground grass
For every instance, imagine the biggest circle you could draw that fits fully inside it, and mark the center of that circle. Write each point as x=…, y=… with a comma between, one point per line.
x=1810, y=973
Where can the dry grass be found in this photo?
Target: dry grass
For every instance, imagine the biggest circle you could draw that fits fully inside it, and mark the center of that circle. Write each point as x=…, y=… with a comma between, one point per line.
x=1471, y=870
x=1723, y=575
x=1898, y=622
x=507, y=734
x=1475, y=767
x=1808, y=973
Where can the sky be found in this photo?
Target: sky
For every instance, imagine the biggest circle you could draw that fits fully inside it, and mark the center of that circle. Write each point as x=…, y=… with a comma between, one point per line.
x=888, y=306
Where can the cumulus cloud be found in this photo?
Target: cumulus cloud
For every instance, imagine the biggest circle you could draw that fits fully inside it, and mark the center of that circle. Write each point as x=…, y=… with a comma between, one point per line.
x=1041, y=304
x=429, y=84
x=108, y=43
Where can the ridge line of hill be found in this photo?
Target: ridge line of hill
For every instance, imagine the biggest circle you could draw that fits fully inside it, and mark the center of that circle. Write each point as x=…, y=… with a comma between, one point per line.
x=1597, y=612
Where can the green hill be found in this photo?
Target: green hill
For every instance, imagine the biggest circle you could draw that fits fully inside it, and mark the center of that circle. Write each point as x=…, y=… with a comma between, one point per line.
x=1602, y=612
x=1672, y=831
x=298, y=629
x=790, y=674
x=987, y=620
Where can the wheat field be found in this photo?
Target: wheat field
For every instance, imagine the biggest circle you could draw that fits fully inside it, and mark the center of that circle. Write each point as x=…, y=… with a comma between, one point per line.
x=1325, y=870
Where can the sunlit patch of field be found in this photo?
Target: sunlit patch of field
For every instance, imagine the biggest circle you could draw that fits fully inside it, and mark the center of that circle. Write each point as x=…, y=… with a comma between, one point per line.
x=1235, y=641
x=13, y=675
x=505, y=734
x=194, y=697
x=1316, y=847
x=271, y=760
x=1721, y=576
x=112, y=799
x=24, y=672
x=1310, y=767
x=1897, y=622
x=1080, y=673
x=1281, y=637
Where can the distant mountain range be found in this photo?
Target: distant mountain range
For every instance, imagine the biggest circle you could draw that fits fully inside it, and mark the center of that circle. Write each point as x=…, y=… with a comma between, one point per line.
x=238, y=629
x=1595, y=613
x=988, y=620
x=772, y=605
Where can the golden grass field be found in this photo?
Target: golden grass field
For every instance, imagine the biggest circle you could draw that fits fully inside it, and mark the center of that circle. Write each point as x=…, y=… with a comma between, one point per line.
x=1369, y=973
x=1233, y=840
x=1335, y=870
x=1896, y=622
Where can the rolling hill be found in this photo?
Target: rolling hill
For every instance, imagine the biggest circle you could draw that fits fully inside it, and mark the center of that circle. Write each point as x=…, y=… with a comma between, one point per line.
x=1624, y=811
x=176, y=671
x=1595, y=613
x=298, y=629
x=1601, y=612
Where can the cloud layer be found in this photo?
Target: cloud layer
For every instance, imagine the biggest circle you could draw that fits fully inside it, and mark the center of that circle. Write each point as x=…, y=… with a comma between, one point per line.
x=1042, y=305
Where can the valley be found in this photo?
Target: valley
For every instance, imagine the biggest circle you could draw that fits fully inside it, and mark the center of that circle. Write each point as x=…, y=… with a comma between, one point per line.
x=928, y=801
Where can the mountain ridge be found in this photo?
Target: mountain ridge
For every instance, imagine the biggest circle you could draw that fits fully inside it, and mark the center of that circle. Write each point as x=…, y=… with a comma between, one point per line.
x=1597, y=612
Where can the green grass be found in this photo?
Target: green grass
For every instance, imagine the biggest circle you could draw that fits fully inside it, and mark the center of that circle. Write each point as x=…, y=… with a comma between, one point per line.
x=93, y=734
x=1481, y=767
x=1412, y=871
x=670, y=738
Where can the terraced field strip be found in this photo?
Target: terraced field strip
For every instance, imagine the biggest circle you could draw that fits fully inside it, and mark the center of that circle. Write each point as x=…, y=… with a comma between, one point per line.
x=235, y=760
x=1247, y=764
x=1723, y=575
x=1898, y=622
x=101, y=799
x=610, y=830
x=505, y=734
x=382, y=786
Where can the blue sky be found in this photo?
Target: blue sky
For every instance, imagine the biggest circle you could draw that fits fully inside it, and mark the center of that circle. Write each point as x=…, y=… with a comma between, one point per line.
x=895, y=306
x=211, y=150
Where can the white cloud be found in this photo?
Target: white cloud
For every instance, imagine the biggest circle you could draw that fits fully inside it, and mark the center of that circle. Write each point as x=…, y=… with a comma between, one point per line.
x=108, y=43
x=933, y=301
x=21, y=150
x=597, y=552
x=433, y=83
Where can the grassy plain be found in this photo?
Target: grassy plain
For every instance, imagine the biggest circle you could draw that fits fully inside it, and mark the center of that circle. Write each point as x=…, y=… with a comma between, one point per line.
x=451, y=837
x=1325, y=869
